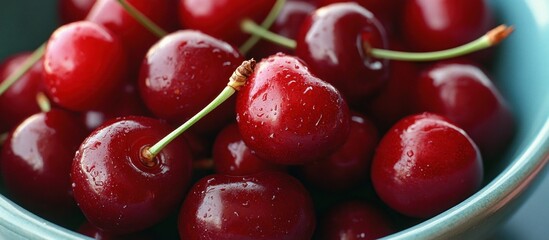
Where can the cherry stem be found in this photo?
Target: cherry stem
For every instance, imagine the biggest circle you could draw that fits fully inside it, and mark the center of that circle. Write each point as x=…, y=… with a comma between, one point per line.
x=144, y=20
x=203, y=164
x=249, y=26
x=3, y=138
x=43, y=102
x=489, y=39
x=236, y=81
x=27, y=64
x=266, y=24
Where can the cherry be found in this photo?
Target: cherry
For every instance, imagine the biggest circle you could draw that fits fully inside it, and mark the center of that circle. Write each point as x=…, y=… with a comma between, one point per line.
x=349, y=166
x=287, y=115
x=424, y=165
x=222, y=18
x=183, y=72
x=356, y=220
x=266, y=205
x=74, y=10
x=117, y=188
x=437, y=25
x=232, y=157
x=136, y=38
x=330, y=42
x=84, y=64
x=463, y=92
x=19, y=101
x=91, y=231
x=36, y=161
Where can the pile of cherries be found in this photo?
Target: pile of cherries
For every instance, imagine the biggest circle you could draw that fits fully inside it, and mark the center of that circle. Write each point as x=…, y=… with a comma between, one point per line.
x=324, y=139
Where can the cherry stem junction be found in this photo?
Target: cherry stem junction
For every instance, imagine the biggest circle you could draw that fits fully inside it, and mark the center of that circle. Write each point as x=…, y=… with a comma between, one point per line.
x=236, y=81
x=27, y=64
x=266, y=24
x=144, y=20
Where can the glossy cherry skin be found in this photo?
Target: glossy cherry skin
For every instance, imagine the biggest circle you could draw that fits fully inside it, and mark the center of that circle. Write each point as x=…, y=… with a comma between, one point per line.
x=136, y=39
x=436, y=25
x=184, y=72
x=349, y=166
x=115, y=189
x=84, y=66
x=74, y=10
x=221, y=18
x=232, y=157
x=36, y=162
x=267, y=205
x=19, y=101
x=424, y=165
x=330, y=42
x=463, y=92
x=356, y=220
x=287, y=115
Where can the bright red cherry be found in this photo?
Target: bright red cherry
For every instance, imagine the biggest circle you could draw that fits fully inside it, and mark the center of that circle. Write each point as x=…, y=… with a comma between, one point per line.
x=84, y=66
x=36, y=162
x=221, y=18
x=356, y=220
x=267, y=205
x=183, y=72
x=74, y=10
x=19, y=101
x=232, y=157
x=436, y=25
x=287, y=115
x=331, y=43
x=463, y=92
x=349, y=166
x=120, y=191
x=425, y=165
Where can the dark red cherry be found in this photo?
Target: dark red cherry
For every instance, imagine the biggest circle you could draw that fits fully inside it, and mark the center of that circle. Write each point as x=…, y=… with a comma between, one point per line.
x=116, y=188
x=436, y=25
x=74, y=10
x=19, y=101
x=221, y=18
x=424, y=165
x=356, y=220
x=36, y=162
x=463, y=92
x=136, y=39
x=84, y=66
x=185, y=71
x=330, y=42
x=232, y=157
x=267, y=205
x=98, y=234
x=349, y=166
x=287, y=115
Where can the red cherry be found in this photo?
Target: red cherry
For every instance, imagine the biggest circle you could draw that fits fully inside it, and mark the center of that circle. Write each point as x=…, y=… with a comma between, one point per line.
x=221, y=18
x=425, y=165
x=436, y=25
x=330, y=42
x=287, y=115
x=84, y=64
x=98, y=234
x=183, y=72
x=117, y=189
x=463, y=92
x=349, y=166
x=36, y=161
x=267, y=205
x=74, y=10
x=232, y=157
x=19, y=101
x=356, y=220
x=136, y=38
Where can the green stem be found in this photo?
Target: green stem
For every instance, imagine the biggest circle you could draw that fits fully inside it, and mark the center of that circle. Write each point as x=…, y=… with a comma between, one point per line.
x=266, y=24
x=144, y=20
x=29, y=62
x=43, y=102
x=251, y=27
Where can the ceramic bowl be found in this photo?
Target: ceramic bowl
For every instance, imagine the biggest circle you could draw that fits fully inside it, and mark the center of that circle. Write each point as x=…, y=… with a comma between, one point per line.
x=520, y=71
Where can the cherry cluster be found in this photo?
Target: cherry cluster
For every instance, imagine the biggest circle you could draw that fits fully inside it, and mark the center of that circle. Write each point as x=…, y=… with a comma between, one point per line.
x=335, y=132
